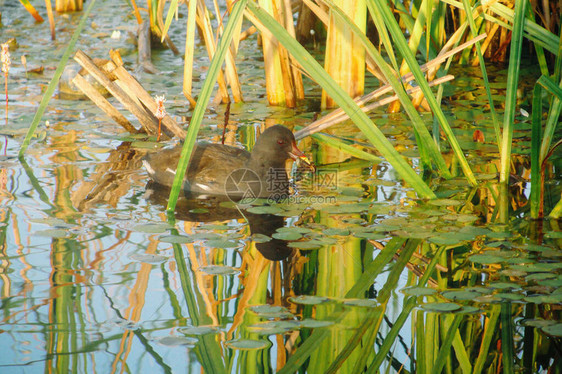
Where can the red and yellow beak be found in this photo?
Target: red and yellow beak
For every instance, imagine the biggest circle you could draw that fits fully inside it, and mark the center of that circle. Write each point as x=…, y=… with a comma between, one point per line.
x=297, y=155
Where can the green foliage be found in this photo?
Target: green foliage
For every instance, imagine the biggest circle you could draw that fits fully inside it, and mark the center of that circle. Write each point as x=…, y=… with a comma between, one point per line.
x=55, y=80
x=204, y=96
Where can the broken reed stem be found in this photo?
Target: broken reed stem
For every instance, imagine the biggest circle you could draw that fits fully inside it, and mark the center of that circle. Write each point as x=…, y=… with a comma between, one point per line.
x=329, y=119
x=159, y=129
x=160, y=113
x=338, y=115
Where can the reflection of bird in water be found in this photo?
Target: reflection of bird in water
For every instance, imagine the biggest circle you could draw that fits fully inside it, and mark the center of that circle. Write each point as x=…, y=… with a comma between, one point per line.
x=193, y=209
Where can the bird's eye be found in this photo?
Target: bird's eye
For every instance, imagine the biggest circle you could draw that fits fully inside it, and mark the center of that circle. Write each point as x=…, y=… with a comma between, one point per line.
x=280, y=141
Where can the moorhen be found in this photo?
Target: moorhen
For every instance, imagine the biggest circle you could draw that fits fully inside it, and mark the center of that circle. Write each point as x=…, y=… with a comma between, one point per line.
x=218, y=169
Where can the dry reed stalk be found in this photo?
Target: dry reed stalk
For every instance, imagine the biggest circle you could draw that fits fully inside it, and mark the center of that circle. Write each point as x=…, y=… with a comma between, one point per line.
x=246, y=33
x=338, y=116
x=129, y=92
x=49, y=7
x=139, y=94
x=136, y=12
x=413, y=44
x=293, y=66
x=102, y=103
x=230, y=63
x=345, y=54
x=24, y=63
x=158, y=30
x=278, y=77
x=204, y=22
x=331, y=118
x=189, y=52
x=432, y=71
x=323, y=16
x=68, y=5
x=493, y=30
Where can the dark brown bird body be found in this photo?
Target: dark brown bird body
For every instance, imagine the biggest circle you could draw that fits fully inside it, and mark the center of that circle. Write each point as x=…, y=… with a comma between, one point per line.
x=218, y=169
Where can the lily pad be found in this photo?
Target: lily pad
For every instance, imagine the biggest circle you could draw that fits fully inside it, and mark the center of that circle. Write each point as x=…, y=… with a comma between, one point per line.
x=370, y=235
x=486, y=259
x=53, y=233
x=413, y=234
x=513, y=273
x=461, y=218
x=215, y=227
x=354, y=221
x=460, y=295
x=248, y=344
x=504, y=285
x=148, y=258
x=445, y=239
x=205, y=236
x=145, y=145
x=176, y=239
x=260, y=238
x=312, y=323
x=220, y=243
x=287, y=235
x=554, y=234
x=468, y=309
x=540, y=276
x=306, y=245
x=479, y=289
x=309, y=299
x=474, y=230
x=275, y=327
x=300, y=230
x=543, y=299
x=551, y=282
x=499, y=235
x=445, y=202
x=177, y=340
x=199, y=210
x=325, y=240
x=441, y=307
x=336, y=231
x=366, y=303
x=198, y=330
x=271, y=311
x=218, y=270
x=51, y=221
x=508, y=296
x=379, y=209
x=152, y=228
x=265, y=209
x=538, y=322
x=345, y=209
x=418, y=291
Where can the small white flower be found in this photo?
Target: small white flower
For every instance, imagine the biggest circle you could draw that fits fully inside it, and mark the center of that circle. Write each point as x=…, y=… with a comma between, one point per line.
x=116, y=34
x=5, y=58
x=160, y=109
